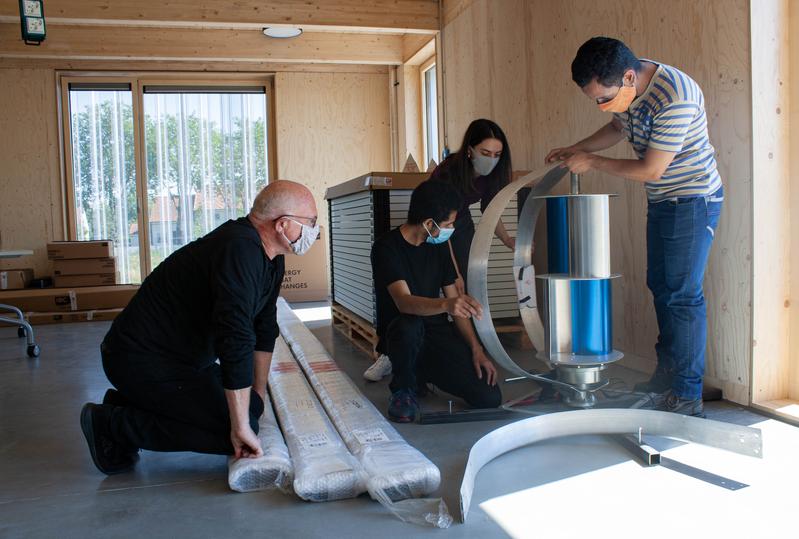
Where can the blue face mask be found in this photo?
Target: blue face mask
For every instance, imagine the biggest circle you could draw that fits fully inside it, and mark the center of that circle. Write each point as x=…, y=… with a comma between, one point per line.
x=443, y=234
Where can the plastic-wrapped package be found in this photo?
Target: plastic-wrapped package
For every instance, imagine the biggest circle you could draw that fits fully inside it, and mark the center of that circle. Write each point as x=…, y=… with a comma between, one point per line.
x=324, y=469
x=397, y=471
x=273, y=470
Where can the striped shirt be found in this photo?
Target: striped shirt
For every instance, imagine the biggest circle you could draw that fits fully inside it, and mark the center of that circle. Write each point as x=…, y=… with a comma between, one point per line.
x=670, y=116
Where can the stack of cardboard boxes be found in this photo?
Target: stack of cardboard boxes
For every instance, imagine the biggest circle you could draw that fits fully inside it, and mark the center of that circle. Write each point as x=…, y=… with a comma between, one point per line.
x=82, y=263
x=85, y=277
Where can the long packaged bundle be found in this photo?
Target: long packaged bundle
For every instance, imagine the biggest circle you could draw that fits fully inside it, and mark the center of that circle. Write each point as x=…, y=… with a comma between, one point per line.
x=273, y=469
x=324, y=469
x=396, y=470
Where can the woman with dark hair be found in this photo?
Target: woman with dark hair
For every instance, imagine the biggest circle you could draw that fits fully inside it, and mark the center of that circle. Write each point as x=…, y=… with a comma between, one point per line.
x=479, y=170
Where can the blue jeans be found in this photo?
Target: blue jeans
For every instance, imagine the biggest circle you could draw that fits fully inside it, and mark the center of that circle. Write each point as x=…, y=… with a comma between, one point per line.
x=679, y=235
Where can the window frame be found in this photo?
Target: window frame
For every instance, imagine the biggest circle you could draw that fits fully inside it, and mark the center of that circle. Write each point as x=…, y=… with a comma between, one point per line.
x=426, y=66
x=137, y=82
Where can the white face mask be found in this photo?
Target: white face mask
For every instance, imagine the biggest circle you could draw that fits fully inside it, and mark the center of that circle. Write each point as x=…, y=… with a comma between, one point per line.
x=308, y=235
x=483, y=164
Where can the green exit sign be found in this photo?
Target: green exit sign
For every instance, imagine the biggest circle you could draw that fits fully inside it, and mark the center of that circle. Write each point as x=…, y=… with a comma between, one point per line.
x=31, y=15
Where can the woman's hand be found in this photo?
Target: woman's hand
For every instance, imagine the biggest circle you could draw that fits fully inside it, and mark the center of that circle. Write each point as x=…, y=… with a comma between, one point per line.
x=460, y=286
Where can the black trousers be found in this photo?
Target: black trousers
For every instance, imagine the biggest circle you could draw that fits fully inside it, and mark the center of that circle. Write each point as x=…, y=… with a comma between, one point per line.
x=436, y=353
x=171, y=406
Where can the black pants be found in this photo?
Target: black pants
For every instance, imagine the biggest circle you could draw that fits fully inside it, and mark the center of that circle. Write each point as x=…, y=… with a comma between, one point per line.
x=436, y=353
x=172, y=406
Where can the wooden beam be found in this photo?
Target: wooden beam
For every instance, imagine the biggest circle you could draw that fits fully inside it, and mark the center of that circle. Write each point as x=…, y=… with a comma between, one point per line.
x=186, y=66
x=416, y=45
x=375, y=15
x=202, y=45
x=427, y=51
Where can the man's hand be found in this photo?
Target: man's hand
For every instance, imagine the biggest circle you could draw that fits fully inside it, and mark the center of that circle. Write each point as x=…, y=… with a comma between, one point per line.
x=245, y=443
x=482, y=363
x=579, y=162
x=511, y=243
x=560, y=154
x=464, y=306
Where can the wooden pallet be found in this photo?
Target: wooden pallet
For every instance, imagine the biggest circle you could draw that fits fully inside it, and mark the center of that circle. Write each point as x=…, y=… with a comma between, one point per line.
x=356, y=329
x=363, y=335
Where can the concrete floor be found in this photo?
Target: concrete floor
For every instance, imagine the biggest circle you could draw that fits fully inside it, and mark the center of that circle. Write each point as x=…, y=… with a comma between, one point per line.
x=50, y=488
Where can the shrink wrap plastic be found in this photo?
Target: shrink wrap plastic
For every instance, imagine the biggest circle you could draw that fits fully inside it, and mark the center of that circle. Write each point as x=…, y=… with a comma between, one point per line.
x=324, y=469
x=398, y=474
x=274, y=469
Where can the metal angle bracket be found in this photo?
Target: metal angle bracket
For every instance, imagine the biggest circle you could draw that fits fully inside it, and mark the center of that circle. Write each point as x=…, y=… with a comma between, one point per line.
x=649, y=456
x=743, y=440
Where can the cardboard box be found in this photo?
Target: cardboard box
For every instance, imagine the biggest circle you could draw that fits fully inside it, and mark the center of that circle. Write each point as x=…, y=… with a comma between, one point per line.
x=11, y=279
x=99, y=279
x=39, y=319
x=84, y=266
x=306, y=277
x=58, y=250
x=49, y=300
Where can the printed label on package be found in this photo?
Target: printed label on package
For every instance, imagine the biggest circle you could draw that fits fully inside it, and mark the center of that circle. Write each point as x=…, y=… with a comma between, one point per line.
x=315, y=440
x=370, y=436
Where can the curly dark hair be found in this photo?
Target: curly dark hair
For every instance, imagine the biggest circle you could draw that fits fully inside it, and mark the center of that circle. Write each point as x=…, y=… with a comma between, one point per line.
x=604, y=59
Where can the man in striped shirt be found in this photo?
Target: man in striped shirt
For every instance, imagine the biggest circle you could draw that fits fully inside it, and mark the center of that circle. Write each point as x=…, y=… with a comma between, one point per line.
x=661, y=112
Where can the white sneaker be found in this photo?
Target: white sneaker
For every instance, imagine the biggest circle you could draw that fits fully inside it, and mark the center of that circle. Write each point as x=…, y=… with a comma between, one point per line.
x=379, y=369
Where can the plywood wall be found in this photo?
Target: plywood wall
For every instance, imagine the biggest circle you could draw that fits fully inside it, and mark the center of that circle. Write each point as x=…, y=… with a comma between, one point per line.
x=409, y=106
x=793, y=389
x=331, y=128
x=30, y=189
x=510, y=61
x=771, y=200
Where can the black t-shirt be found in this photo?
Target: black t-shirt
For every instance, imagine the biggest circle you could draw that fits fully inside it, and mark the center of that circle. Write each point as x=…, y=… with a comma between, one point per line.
x=212, y=298
x=426, y=268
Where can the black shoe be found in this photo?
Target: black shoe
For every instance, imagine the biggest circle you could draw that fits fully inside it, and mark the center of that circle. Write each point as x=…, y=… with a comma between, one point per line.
x=112, y=396
x=109, y=456
x=659, y=383
x=669, y=402
x=403, y=407
x=115, y=398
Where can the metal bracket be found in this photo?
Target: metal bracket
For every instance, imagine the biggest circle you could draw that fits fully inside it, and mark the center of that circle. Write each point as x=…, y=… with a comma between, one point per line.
x=649, y=456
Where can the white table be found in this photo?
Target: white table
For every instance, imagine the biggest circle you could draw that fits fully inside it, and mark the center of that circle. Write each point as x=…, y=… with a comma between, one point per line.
x=24, y=328
x=15, y=254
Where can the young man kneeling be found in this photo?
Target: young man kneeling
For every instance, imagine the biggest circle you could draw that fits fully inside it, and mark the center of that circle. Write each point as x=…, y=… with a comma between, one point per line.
x=411, y=265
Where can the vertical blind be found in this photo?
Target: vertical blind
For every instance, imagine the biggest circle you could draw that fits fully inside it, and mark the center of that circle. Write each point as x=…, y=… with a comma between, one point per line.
x=205, y=153
x=104, y=172
x=206, y=159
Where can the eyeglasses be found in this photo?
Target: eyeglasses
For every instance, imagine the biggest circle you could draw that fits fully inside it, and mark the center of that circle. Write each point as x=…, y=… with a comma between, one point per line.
x=311, y=220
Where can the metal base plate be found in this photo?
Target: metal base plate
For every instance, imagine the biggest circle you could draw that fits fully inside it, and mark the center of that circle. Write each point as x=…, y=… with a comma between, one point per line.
x=580, y=360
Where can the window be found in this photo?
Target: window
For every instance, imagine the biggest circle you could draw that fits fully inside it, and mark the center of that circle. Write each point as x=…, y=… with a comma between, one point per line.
x=206, y=161
x=195, y=155
x=104, y=171
x=430, y=108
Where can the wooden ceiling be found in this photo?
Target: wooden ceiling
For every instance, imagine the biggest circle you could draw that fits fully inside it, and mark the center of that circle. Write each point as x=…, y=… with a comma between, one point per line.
x=378, y=32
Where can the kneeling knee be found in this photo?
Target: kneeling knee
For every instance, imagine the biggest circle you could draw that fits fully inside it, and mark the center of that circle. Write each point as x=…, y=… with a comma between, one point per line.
x=488, y=397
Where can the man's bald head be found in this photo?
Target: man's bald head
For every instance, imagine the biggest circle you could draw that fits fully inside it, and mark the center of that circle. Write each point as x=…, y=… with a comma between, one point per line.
x=283, y=197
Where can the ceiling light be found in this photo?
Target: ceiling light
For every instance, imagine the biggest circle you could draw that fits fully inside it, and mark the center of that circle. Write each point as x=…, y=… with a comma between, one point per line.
x=282, y=32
